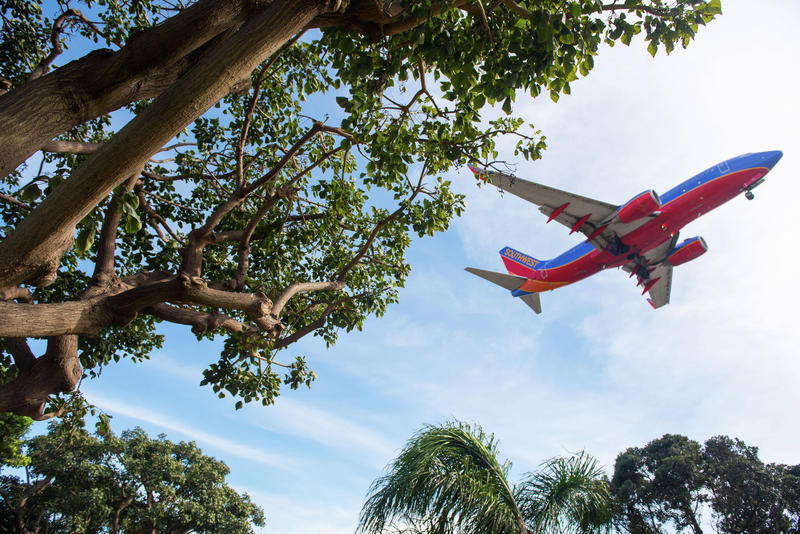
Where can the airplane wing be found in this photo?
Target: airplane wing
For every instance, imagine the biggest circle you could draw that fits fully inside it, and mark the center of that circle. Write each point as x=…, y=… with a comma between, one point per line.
x=659, y=292
x=659, y=281
x=591, y=217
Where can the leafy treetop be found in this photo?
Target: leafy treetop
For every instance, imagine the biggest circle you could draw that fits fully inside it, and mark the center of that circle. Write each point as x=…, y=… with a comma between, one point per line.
x=78, y=482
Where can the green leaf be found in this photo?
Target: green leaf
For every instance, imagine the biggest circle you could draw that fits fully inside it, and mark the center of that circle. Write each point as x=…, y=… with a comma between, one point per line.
x=652, y=48
x=713, y=7
x=30, y=193
x=132, y=223
x=567, y=38
x=85, y=239
x=507, y=106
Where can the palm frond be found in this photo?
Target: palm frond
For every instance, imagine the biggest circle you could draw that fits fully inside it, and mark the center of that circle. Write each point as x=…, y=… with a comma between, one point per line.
x=448, y=472
x=566, y=495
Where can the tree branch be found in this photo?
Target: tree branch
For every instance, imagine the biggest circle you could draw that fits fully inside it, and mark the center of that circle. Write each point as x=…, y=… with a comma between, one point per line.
x=291, y=153
x=378, y=227
x=303, y=287
x=155, y=220
x=124, y=300
x=15, y=293
x=13, y=201
x=104, y=264
x=57, y=371
x=239, y=154
x=305, y=330
x=70, y=147
x=32, y=252
x=55, y=39
x=21, y=352
x=412, y=22
x=200, y=322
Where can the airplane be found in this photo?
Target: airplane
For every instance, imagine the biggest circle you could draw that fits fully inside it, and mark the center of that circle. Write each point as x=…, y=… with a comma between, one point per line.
x=640, y=236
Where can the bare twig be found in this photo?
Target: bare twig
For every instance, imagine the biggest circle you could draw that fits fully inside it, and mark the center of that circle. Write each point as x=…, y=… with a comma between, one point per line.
x=378, y=227
x=156, y=220
x=55, y=38
x=246, y=127
x=11, y=200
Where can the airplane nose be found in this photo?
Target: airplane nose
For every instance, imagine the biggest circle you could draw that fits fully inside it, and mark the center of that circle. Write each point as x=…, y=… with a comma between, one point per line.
x=771, y=158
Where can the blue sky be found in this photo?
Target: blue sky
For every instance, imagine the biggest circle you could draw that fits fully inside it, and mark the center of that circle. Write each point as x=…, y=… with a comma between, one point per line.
x=599, y=369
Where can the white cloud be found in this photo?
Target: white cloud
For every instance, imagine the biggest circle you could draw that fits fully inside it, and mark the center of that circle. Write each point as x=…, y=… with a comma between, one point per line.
x=600, y=368
x=304, y=514
x=253, y=454
x=326, y=429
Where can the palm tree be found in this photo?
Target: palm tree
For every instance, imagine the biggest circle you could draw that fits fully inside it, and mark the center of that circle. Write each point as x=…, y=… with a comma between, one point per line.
x=449, y=479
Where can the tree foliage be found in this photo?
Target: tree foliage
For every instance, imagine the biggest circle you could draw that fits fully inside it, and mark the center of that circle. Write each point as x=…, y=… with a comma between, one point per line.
x=78, y=482
x=666, y=485
x=12, y=430
x=265, y=170
x=449, y=479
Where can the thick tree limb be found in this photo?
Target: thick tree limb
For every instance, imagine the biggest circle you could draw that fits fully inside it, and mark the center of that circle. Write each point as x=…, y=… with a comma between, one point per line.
x=71, y=147
x=104, y=264
x=21, y=352
x=32, y=252
x=124, y=301
x=199, y=321
x=15, y=293
x=303, y=287
x=103, y=81
x=57, y=371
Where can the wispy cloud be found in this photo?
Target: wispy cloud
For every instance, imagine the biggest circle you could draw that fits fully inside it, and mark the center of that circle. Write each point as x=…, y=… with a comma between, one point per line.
x=253, y=454
x=327, y=429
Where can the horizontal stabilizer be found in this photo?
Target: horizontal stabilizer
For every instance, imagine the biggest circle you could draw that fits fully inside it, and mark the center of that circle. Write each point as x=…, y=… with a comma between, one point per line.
x=533, y=300
x=508, y=281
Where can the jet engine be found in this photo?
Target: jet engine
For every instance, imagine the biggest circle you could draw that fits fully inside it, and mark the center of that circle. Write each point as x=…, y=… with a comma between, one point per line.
x=639, y=206
x=687, y=251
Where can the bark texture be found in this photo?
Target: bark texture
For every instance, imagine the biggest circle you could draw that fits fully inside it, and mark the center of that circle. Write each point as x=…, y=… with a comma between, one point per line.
x=31, y=253
x=105, y=80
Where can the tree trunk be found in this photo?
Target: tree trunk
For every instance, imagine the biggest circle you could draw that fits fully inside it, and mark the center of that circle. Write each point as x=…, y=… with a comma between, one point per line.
x=103, y=80
x=32, y=252
x=117, y=512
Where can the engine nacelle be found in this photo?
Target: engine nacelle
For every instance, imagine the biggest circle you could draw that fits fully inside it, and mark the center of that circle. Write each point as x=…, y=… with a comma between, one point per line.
x=687, y=251
x=639, y=206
